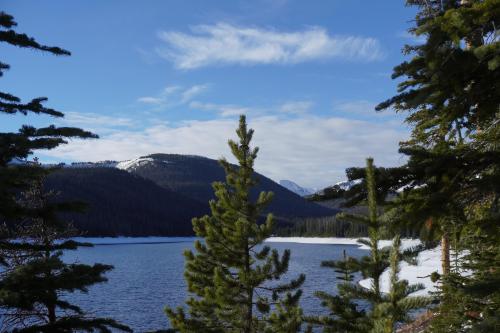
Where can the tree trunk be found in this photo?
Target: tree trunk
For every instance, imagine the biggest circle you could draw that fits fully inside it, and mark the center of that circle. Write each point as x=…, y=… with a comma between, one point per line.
x=51, y=309
x=445, y=253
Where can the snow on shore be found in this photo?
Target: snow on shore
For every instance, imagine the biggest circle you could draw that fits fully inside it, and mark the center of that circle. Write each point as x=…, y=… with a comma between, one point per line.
x=405, y=243
x=428, y=260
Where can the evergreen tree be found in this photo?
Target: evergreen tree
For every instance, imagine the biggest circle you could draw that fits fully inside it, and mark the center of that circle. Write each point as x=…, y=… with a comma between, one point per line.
x=17, y=146
x=35, y=276
x=450, y=93
x=397, y=303
x=344, y=314
x=386, y=310
x=231, y=275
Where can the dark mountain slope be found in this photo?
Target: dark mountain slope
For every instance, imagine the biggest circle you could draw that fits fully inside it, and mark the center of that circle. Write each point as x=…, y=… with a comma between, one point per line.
x=192, y=176
x=120, y=203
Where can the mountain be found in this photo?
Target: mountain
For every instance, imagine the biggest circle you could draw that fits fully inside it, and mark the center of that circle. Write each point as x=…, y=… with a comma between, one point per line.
x=192, y=177
x=295, y=188
x=157, y=195
x=343, y=186
x=120, y=203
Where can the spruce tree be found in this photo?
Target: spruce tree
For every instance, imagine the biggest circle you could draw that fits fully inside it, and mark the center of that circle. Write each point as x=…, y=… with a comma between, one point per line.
x=450, y=93
x=396, y=305
x=232, y=276
x=344, y=314
x=385, y=310
x=17, y=146
x=35, y=277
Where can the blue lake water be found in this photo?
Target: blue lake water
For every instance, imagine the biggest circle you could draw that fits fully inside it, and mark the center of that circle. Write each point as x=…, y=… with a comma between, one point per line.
x=148, y=277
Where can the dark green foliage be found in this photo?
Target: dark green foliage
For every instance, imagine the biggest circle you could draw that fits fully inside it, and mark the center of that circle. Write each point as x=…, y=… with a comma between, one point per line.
x=121, y=203
x=231, y=275
x=157, y=210
x=320, y=227
x=450, y=92
x=344, y=315
x=396, y=305
x=34, y=278
x=385, y=309
x=19, y=145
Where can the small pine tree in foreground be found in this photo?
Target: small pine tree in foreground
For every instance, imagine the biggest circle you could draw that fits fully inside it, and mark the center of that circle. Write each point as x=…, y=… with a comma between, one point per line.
x=232, y=276
x=385, y=310
x=35, y=277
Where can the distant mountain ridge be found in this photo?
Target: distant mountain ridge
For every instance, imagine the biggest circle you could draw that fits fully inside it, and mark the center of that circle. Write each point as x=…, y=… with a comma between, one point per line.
x=296, y=188
x=192, y=176
x=158, y=194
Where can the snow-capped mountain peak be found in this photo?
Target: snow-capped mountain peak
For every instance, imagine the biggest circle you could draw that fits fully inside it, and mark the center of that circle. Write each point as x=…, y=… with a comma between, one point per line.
x=295, y=188
x=134, y=163
x=347, y=184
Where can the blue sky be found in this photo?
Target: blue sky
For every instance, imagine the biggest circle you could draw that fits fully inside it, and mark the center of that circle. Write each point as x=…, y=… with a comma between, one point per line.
x=172, y=77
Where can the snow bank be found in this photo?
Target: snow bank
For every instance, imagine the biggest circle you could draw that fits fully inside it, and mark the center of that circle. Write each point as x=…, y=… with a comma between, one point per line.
x=405, y=243
x=428, y=260
x=313, y=240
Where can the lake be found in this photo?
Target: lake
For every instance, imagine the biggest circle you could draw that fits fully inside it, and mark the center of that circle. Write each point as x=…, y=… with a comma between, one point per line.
x=148, y=277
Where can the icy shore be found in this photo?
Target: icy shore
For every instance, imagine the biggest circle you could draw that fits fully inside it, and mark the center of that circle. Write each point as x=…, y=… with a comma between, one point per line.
x=428, y=260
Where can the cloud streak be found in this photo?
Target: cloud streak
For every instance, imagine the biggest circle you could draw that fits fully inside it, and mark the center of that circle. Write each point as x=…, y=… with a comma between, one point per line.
x=173, y=96
x=313, y=151
x=224, y=43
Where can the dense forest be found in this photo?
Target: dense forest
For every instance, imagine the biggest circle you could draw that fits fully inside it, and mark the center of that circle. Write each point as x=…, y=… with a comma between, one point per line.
x=120, y=203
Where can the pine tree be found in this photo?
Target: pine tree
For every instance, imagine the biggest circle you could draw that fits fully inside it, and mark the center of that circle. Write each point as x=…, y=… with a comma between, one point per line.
x=35, y=277
x=232, y=276
x=451, y=96
x=396, y=305
x=344, y=314
x=386, y=310
x=19, y=145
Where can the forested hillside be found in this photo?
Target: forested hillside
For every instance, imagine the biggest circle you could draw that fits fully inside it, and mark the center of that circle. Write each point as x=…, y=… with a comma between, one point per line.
x=192, y=176
x=119, y=203
x=159, y=198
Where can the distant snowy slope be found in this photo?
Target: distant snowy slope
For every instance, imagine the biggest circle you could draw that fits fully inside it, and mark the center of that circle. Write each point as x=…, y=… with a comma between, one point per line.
x=344, y=185
x=132, y=164
x=295, y=188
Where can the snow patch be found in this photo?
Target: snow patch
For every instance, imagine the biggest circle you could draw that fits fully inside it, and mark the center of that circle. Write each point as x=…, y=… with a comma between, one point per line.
x=295, y=188
x=429, y=261
x=132, y=164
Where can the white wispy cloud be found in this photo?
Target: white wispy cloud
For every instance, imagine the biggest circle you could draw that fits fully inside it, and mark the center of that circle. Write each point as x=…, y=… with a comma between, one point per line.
x=223, y=110
x=94, y=120
x=361, y=107
x=151, y=100
x=192, y=92
x=174, y=95
x=224, y=43
x=296, y=107
x=312, y=151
